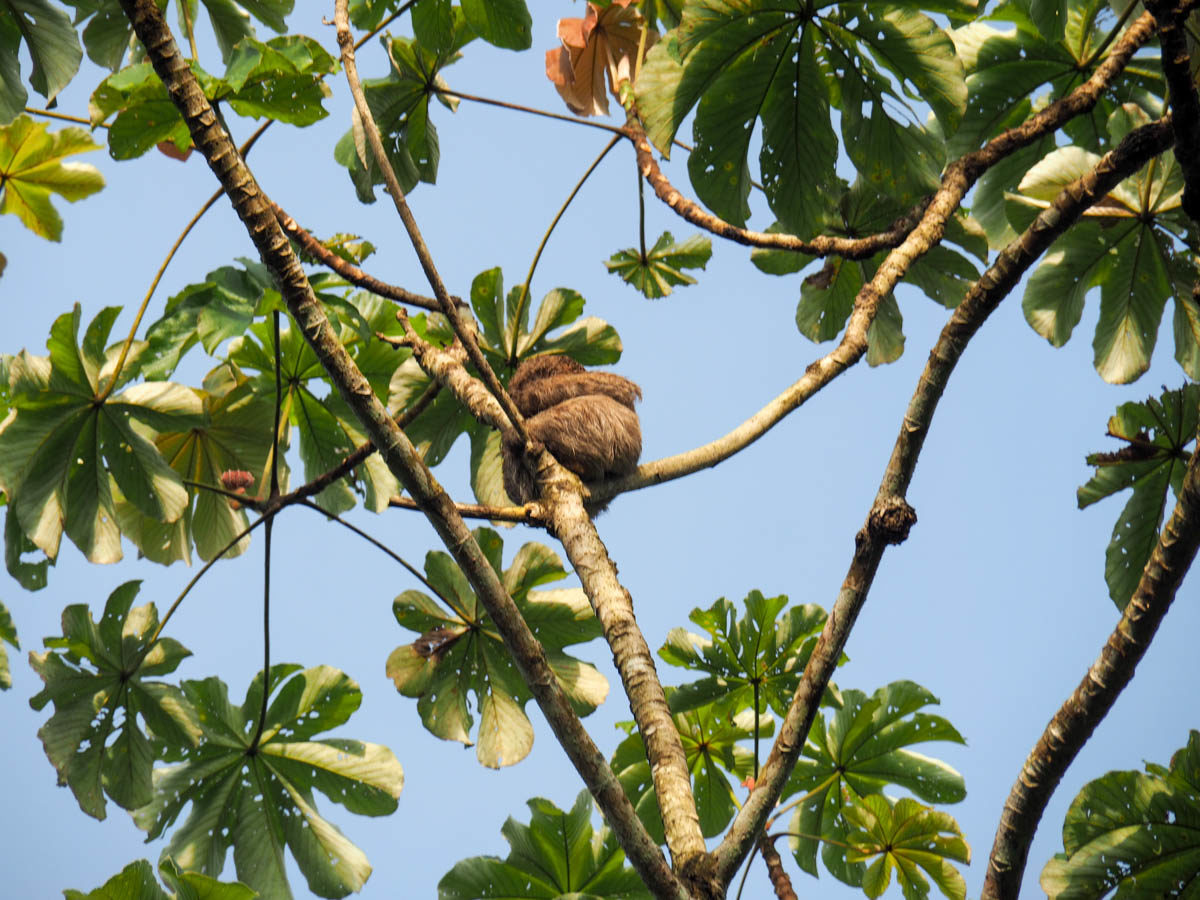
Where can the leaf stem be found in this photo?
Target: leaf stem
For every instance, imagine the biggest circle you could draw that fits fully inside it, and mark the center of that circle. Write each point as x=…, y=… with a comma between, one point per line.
x=517, y=107
x=515, y=319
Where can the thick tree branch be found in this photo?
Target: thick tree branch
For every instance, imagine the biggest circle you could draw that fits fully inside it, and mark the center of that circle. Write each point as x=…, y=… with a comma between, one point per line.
x=397, y=451
x=959, y=177
x=1176, y=66
x=890, y=516
x=1095, y=695
x=564, y=515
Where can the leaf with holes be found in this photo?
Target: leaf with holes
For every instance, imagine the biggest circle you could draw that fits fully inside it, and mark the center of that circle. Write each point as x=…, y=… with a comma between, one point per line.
x=257, y=797
x=1152, y=461
x=663, y=265
x=32, y=169
x=68, y=440
x=110, y=721
x=759, y=656
x=912, y=840
x=861, y=750
x=459, y=651
x=1132, y=833
x=556, y=855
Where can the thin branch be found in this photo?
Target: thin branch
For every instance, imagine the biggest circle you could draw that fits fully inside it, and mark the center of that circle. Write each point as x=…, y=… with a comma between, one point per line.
x=272, y=244
x=891, y=517
x=266, y=670
x=449, y=309
x=524, y=515
x=347, y=269
x=515, y=317
x=63, y=117
x=187, y=229
x=517, y=107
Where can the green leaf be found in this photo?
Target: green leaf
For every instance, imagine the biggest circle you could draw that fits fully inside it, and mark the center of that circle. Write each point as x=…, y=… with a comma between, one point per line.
x=96, y=676
x=53, y=48
x=861, y=750
x=1152, y=461
x=136, y=882
x=8, y=632
x=433, y=24
x=260, y=802
x=236, y=436
x=711, y=736
x=763, y=653
x=655, y=275
x=31, y=169
x=913, y=840
x=505, y=23
x=1132, y=833
x=459, y=651
x=556, y=855
x=400, y=106
x=281, y=79
x=145, y=115
x=65, y=447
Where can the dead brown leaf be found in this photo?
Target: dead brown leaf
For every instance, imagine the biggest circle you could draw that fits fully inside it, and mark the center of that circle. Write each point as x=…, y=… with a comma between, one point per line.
x=604, y=43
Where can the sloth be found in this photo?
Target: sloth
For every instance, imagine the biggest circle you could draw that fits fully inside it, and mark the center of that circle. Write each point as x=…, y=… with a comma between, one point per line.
x=585, y=419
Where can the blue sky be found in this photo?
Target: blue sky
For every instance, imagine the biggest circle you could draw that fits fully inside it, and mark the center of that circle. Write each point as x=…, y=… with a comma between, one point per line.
x=996, y=603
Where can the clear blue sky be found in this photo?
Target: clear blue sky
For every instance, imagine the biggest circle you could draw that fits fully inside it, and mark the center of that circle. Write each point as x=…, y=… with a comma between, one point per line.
x=996, y=603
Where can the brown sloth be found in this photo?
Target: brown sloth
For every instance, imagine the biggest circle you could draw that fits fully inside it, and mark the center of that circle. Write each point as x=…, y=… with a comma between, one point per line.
x=585, y=419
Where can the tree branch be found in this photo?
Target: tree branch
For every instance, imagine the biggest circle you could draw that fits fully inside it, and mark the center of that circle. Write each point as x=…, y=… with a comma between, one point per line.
x=397, y=451
x=890, y=516
x=959, y=177
x=1176, y=66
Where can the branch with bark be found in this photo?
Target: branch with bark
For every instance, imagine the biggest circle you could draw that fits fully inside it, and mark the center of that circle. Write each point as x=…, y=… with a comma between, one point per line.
x=251, y=206
x=890, y=516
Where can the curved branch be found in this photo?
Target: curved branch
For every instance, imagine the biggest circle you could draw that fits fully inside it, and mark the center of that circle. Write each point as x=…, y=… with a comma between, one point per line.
x=1095, y=695
x=398, y=452
x=972, y=165
x=891, y=517
x=347, y=269
x=1176, y=66
x=959, y=177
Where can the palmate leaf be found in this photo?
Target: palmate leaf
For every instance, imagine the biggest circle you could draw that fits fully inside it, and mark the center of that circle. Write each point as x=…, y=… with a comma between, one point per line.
x=280, y=79
x=860, y=751
x=106, y=710
x=910, y=839
x=400, y=106
x=8, y=633
x=236, y=436
x=713, y=740
x=1124, y=246
x=1151, y=462
x=662, y=268
x=556, y=855
x=53, y=48
x=460, y=652
x=32, y=169
x=761, y=655
x=136, y=882
x=61, y=445
x=259, y=802
x=745, y=60
x=1134, y=834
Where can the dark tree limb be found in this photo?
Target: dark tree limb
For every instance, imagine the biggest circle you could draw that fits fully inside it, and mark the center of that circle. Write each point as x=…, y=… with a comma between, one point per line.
x=890, y=516
x=401, y=457
x=1185, y=105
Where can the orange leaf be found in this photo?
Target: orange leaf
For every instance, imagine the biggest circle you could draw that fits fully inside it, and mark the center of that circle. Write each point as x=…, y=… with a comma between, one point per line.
x=604, y=42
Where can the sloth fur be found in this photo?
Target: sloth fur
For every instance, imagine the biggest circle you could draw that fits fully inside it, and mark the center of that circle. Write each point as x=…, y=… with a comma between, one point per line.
x=585, y=419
